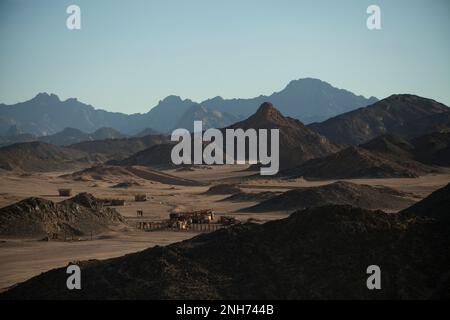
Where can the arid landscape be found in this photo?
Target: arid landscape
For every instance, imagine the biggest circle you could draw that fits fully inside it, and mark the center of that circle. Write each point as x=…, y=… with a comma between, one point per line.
x=84, y=204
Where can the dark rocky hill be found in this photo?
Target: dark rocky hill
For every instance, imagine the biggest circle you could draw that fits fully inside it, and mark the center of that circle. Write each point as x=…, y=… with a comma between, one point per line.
x=339, y=193
x=436, y=206
x=42, y=157
x=297, y=143
x=356, y=162
x=118, y=149
x=78, y=216
x=404, y=115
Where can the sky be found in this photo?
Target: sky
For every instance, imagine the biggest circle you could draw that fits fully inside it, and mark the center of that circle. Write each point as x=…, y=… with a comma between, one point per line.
x=129, y=54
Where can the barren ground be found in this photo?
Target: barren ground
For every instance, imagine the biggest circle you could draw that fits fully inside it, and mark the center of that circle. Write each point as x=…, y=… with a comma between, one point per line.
x=21, y=259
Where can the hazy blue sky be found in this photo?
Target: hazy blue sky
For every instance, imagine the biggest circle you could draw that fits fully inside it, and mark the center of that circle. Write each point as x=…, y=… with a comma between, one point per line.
x=130, y=54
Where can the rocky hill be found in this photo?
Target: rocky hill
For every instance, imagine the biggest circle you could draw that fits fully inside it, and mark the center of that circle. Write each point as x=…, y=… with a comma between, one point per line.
x=78, y=216
x=404, y=115
x=157, y=156
x=435, y=206
x=43, y=157
x=429, y=149
x=339, y=193
x=356, y=162
x=128, y=174
x=119, y=149
x=297, y=143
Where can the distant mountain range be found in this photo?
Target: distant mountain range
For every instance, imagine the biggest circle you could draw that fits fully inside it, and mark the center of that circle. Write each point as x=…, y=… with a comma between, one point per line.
x=71, y=136
x=65, y=137
x=211, y=118
x=303, y=151
x=306, y=99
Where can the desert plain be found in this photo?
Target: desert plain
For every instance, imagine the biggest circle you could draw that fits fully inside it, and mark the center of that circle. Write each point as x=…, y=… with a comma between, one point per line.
x=22, y=259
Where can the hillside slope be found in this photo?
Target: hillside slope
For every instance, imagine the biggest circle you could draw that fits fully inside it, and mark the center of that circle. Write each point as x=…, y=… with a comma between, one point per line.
x=404, y=115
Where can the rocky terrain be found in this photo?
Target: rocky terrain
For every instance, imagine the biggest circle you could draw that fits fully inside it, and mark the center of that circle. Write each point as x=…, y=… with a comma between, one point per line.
x=405, y=115
x=71, y=136
x=297, y=143
x=253, y=196
x=338, y=193
x=43, y=157
x=78, y=216
x=158, y=155
x=435, y=206
x=128, y=173
x=317, y=253
x=210, y=118
x=429, y=149
x=356, y=162
x=223, y=189
x=119, y=149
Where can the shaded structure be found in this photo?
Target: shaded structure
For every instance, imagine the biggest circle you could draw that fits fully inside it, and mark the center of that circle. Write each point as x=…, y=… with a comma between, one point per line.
x=140, y=198
x=65, y=192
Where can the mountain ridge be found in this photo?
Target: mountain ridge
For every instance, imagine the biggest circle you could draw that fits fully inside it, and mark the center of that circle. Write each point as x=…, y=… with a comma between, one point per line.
x=306, y=99
x=401, y=114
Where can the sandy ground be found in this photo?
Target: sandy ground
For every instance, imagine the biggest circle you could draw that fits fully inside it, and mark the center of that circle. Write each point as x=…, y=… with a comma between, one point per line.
x=25, y=258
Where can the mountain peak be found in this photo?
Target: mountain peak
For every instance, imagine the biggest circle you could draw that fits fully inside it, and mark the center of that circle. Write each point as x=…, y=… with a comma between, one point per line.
x=308, y=82
x=267, y=111
x=171, y=99
x=45, y=97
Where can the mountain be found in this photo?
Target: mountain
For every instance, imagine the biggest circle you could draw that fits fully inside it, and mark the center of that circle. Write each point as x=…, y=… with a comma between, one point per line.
x=353, y=163
x=106, y=134
x=66, y=137
x=435, y=206
x=404, y=115
x=46, y=114
x=166, y=114
x=36, y=217
x=15, y=135
x=429, y=149
x=433, y=148
x=306, y=99
x=210, y=118
x=6, y=124
x=72, y=136
x=297, y=142
x=119, y=149
x=42, y=157
x=317, y=253
x=338, y=193
x=158, y=155
x=146, y=132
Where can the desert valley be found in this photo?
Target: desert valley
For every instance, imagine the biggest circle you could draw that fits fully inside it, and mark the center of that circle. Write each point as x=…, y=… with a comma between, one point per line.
x=368, y=186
